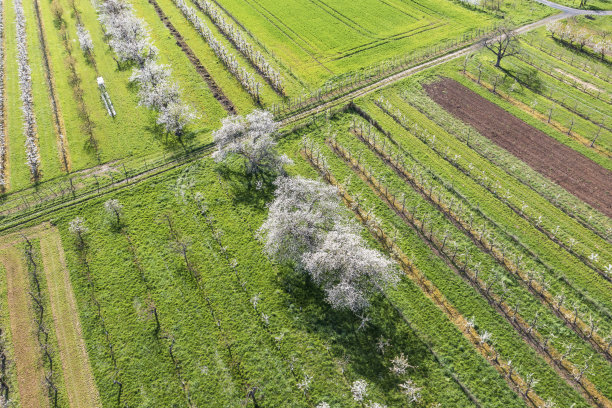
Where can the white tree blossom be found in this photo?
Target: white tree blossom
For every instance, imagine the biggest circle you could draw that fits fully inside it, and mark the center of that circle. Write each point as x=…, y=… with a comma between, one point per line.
x=400, y=364
x=304, y=385
x=175, y=117
x=306, y=226
x=77, y=227
x=348, y=270
x=131, y=42
x=84, y=39
x=25, y=84
x=412, y=392
x=301, y=212
x=150, y=75
x=359, y=389
x=252, y=138
x=323, y=405
x=114, y=209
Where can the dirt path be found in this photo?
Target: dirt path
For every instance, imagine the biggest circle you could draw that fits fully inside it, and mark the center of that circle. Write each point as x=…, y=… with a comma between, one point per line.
x=558, y=162
x=78, y=376
x=30, y=372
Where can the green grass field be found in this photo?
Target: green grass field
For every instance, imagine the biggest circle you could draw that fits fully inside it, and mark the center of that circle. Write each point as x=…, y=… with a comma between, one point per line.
x=178, y=305
x=323, y=39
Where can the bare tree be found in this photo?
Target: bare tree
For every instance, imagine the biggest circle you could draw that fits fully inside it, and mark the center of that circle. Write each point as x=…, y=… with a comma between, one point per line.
x=502, y=43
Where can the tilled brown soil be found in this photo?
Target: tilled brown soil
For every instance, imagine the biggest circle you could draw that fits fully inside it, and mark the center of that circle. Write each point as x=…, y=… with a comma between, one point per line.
x=195, y=61
x=558, y=162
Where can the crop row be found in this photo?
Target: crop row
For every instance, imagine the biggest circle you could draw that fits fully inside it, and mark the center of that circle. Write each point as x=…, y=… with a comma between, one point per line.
x=525, y=273
x=570, y=58
x=248, y=81
x=41, y=318
x=580, y=120
x=506, y=164
x=435, y=197
x=25, y=84
x=57, y=116
x=488, y=183
x=461, y=295
x=536, y=312
x=480, y=339
x=244, y=46
x=549, y=70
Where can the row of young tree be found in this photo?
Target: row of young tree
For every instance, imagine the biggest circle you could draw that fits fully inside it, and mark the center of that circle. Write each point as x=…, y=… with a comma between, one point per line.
x=492, y=241
x=443, y=243
x=258, y=60
x=41, y=315
x=74, y=77
x=129, y=38
x=310, y=230
x=581, y=37
x=2, y=115
x=246, y=79
x=25, y=85
x=492, y=183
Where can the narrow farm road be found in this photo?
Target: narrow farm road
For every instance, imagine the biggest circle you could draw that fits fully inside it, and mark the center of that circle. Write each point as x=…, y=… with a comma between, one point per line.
x=574, y=11
x=567, y=12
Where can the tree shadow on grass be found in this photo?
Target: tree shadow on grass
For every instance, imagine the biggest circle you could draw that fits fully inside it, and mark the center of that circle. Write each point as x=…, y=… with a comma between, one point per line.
x=172, y=143
x=252, y=190
x=527, y=76
x=347, y=339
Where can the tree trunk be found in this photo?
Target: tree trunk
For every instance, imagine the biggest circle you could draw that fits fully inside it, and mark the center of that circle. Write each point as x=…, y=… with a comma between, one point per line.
x=498, y=62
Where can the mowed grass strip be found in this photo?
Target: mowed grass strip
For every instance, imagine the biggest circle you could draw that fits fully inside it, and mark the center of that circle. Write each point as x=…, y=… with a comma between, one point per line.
x=30, y=372
x=78, y=377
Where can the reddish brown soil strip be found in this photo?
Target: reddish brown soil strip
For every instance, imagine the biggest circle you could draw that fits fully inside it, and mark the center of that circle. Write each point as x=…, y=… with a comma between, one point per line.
x=30, y=373
x=78, y=376
x=195, y=61
x=558, y=162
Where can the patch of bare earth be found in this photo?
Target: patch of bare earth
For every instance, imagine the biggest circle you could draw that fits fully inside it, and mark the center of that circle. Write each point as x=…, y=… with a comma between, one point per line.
x=558, y=162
